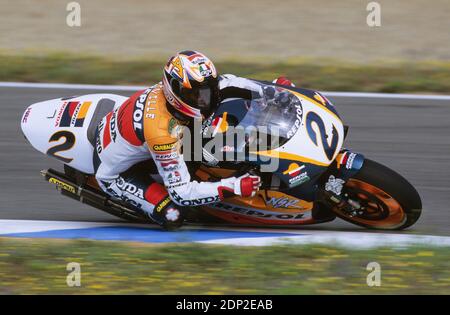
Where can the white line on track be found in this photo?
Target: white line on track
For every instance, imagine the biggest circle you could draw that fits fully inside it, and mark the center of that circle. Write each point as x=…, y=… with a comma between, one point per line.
x=344, y=239
x=138, y=87
x=300, y=236
x=72, y=86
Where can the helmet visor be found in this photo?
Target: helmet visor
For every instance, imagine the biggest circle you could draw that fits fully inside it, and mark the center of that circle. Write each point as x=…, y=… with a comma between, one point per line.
x=204, y=97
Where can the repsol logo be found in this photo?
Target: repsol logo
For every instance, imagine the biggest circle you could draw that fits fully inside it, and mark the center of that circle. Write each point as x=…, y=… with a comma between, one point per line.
x=193, y=202
x=259, y=214
x=138, y=112
x=299, y=117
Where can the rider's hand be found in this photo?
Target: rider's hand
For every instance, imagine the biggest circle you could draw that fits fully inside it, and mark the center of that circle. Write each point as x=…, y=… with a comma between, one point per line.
x=245, y=186
x=283, y=81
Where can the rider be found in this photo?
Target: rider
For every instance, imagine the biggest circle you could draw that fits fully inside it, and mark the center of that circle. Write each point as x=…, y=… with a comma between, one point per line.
x=148, y=126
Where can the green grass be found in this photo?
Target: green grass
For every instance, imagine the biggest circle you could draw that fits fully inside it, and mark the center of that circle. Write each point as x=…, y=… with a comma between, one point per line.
x=39, y=266
x=428, y=77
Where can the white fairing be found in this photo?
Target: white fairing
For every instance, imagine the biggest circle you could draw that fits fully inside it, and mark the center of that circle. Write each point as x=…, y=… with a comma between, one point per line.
x=302, y=144
x=49, y=127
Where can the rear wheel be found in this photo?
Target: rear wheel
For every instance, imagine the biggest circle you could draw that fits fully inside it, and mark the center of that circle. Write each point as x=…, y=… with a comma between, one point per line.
x=380, y=199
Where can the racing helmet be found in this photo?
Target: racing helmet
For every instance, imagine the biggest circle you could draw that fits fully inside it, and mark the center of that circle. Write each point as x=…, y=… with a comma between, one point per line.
x=191, y=86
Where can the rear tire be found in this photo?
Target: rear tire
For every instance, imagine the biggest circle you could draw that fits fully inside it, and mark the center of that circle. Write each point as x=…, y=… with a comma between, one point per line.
x=391, y=202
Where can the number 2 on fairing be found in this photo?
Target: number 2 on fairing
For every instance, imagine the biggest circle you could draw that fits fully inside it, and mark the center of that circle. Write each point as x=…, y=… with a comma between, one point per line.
x=329, y=149
x=69, y=141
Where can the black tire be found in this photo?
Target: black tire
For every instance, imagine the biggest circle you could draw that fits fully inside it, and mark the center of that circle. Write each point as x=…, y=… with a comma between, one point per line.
x=394, y=186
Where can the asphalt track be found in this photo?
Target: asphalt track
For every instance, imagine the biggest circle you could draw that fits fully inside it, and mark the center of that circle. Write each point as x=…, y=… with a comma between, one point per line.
x=411, y=136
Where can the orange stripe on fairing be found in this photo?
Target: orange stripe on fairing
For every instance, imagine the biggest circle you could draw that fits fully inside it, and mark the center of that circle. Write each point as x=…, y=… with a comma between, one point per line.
x=289, y=156
x=83, y=110
x=315, y=103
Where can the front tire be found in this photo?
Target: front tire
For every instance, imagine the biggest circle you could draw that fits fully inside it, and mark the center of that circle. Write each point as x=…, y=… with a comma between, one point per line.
x=388, y=201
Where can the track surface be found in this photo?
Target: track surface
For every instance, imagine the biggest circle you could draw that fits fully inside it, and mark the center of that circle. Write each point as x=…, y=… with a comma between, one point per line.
x=412, y=137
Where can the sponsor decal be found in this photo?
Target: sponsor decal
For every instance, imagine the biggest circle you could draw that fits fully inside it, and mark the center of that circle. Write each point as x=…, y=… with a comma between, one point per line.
x=293, y=170
x=296, y=174
x=174, y=177
x=300, y=179
x=193, y=202
x=60, y=113
x=334, y=185
x=172, y=124
x=201, y=67
x=205, y=70
x=283, y=202
x=259, y=213
x=62, y=185
x=130, y=188
x=168, y=156
x=112, y=126
x=170, y=168
x=350, y=160
x=25, y=116
x=347, y=159
x=161, y=205
x=138, y=113
x=73, y=114
x=152, y=100
x=98, y=141
x=168, y=163
x=164, y=147
x=177, y=68
x=206, y=125
x=172, y=214
x=298, y=121
x=177, y=185
x=320, y=98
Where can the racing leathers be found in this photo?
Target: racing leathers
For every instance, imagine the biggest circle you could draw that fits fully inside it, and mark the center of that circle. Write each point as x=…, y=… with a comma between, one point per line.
x=143, y=128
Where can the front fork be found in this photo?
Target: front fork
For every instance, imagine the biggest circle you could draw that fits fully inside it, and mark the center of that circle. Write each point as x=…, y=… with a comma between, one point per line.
x=347, y=164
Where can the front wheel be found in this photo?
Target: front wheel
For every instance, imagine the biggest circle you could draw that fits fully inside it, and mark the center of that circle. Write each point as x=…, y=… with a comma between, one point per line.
x=380, y=199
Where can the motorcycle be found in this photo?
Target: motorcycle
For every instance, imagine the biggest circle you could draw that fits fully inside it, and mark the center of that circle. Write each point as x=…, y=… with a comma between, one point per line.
x=314, y=180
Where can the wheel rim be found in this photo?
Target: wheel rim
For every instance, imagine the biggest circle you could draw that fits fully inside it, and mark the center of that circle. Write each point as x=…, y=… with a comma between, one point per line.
x=381, y=209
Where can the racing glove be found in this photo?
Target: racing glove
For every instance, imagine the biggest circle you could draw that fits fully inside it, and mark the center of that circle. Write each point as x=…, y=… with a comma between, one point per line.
x=245, y=186
x=283, y=81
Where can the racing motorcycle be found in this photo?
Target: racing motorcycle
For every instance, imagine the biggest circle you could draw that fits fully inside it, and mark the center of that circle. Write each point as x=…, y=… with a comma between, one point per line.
x=308, y=176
